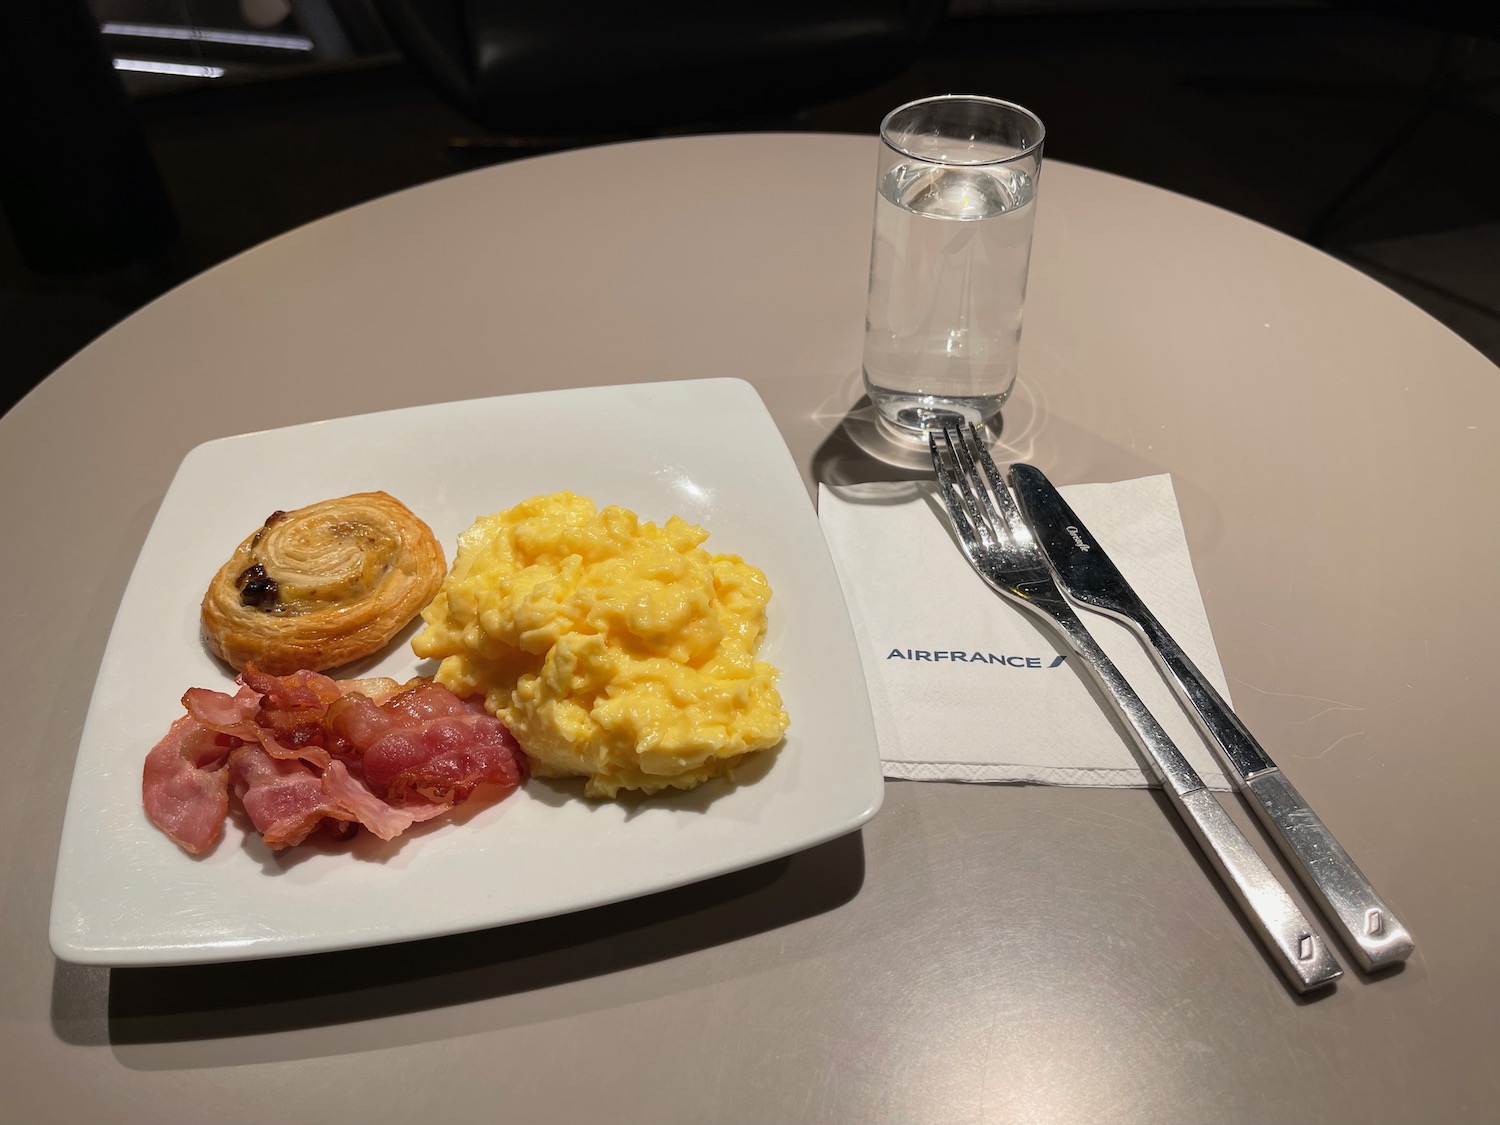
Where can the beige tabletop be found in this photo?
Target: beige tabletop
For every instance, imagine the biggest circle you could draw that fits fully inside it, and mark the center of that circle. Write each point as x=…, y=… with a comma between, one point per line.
x=975, y=953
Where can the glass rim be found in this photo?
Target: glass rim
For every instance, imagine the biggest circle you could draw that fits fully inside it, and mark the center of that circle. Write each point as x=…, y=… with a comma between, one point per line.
x=998, y=103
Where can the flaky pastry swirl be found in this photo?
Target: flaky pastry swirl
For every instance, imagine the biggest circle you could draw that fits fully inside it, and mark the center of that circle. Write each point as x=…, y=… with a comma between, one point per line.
x=321, y=586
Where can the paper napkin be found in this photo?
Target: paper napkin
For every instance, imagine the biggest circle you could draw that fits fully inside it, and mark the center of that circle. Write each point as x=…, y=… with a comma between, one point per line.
x=966, y=686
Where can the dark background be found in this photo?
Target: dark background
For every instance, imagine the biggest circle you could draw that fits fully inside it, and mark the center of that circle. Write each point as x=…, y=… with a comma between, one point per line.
x=1274, y=112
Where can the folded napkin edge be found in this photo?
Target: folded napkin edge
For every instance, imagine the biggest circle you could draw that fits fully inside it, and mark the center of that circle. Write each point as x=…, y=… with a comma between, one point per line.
x=1004, y=773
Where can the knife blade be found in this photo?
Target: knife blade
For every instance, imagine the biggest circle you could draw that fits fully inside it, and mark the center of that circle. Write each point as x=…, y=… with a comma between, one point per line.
x=1086, y=574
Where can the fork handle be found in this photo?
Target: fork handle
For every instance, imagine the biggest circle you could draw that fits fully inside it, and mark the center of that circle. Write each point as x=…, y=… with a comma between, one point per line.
x=1370, y=928
x=1296, y=947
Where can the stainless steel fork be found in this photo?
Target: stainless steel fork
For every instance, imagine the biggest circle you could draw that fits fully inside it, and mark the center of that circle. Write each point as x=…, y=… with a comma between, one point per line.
x=1000, y=547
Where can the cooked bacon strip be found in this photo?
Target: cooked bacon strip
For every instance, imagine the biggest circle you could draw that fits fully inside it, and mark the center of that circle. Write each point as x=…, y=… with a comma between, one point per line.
x=284, y=797
x=184, y=787
x=298, y=690
x=428, y=700
x=287, y=801
x=283, y=732
x=377, y=688
x=444, y=760
x=363, y=721
x=220, y=711
x=303, y=751
x=386, y=821
x=427, y=744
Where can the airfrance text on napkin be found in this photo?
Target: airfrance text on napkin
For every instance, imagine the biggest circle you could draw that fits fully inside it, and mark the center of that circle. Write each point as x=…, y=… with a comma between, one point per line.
x=939, y=654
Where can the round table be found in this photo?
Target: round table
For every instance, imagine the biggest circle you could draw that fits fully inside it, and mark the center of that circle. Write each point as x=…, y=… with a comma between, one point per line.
x=975, y=953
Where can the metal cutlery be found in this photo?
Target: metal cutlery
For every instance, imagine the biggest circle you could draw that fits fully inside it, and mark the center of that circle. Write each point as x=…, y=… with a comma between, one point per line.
x=1001, y=549
x=1085, y=572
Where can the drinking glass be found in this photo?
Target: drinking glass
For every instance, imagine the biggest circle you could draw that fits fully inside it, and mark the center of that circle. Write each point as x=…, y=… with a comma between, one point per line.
x=955, y=198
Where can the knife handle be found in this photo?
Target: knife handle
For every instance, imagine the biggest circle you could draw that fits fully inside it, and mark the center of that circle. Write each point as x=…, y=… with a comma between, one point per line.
x=1301, y=954
x=1304, y=955
x=1371, y=930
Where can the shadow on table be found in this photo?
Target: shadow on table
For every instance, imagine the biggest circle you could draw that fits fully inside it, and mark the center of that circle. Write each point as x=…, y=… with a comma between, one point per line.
x=124, y=1007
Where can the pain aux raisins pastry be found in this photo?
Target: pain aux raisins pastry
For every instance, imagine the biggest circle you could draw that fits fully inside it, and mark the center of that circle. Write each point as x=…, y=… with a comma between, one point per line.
x=321, y=586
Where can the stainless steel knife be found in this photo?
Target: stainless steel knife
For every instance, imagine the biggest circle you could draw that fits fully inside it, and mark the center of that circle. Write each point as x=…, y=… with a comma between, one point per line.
x=1371, y=931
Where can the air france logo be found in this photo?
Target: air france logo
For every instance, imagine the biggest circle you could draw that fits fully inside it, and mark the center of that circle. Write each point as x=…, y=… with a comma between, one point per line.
x=1077, y=538
x=956, y=657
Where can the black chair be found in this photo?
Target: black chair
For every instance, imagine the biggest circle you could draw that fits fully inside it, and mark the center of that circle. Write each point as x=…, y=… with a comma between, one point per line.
x=594, y=68
x=1449, y=85
x=77, y=180
x=1459, y=17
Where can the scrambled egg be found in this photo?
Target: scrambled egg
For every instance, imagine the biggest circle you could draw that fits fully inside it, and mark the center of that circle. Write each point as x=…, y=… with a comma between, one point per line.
x=612, y=649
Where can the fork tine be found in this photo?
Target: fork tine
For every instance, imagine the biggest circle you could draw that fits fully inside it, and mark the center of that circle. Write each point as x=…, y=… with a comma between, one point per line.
x=959, y=493
x=963, y=523
x=980, y=471
x=1017, y=527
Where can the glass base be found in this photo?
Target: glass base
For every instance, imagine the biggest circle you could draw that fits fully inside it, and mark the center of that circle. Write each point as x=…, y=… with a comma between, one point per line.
x=911, y=417
x=866, y=436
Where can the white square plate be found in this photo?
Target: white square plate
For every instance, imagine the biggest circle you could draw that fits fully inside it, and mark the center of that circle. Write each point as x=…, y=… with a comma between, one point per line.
x=707, y=451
